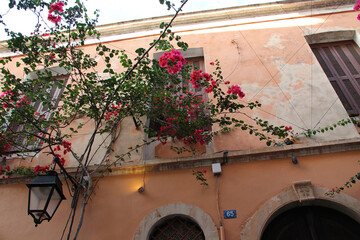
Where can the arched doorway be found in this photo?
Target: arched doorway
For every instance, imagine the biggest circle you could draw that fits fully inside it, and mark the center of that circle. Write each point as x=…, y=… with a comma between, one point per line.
x=288, y=199
x=312, y=223
x=165, y=212
x=176, y=227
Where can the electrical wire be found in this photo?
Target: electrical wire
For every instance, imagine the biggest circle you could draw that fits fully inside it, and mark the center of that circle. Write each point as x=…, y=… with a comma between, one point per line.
x=218, y=200
x=66, y=224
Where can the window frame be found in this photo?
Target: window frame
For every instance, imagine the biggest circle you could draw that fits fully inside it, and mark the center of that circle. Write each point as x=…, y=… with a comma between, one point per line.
x=191, y=55
x=335, y=57
x=149, y=151
x=56, y=92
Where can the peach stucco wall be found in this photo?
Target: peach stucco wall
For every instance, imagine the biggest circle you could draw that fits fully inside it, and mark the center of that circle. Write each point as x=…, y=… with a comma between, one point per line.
x=273, y=63
x=117, y=209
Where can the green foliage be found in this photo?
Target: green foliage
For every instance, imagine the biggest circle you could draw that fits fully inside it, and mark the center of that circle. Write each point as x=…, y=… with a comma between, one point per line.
x=352, y=180
x=200, y=176
x=343, y=122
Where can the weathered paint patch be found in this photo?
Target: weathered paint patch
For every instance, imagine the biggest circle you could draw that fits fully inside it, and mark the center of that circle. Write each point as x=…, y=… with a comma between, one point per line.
x=275, y=41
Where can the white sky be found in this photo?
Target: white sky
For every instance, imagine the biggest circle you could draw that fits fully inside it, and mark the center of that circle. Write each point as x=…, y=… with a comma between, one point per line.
x=112, y=11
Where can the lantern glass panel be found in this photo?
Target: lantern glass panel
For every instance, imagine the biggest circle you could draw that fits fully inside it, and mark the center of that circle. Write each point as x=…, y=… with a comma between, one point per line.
x=39, y=197
x=54, y=202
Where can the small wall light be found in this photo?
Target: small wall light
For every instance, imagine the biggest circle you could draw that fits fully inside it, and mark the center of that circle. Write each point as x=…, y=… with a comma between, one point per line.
x=141, y=189
x=294, y=160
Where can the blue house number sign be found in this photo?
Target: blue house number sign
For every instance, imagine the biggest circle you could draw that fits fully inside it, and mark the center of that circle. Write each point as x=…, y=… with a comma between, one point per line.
x=230, y=214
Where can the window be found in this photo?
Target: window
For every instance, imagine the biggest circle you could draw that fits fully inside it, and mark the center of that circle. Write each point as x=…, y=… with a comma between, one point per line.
x=195, y=58
x=24, y=131
x=176, y=227
x=341, y=64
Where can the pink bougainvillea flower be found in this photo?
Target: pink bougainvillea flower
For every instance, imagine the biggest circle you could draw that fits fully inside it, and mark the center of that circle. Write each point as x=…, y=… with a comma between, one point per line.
x=197, y=75
x=235, y=89
x=203, y=170
x=172, y=60
x=206, y=76
x=195, y=78
x=58, y=6
x=358, y=17
x=54, y=19
x=52, y=56
x=38, y=168
x=357, y=6
x=209, y=89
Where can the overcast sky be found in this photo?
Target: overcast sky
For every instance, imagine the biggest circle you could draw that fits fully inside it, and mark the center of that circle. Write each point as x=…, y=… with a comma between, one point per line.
x=120, y=10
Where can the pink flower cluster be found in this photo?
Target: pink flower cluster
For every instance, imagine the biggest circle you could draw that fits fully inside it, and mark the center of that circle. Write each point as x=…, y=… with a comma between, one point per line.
x=166, y=130
x=22, y=100
x=5, y=145
x=38, y=168
x=196, y=76
x=200, y=135
x=5, y=105
x=235, y=89
x=58, y=8
x=67, y=148
x=357, y=8
x=6, y=93
x=210, y=88
x=6, y=171
x=288, y=128
x=11, y=94
x=173, y=61
x=115, y=110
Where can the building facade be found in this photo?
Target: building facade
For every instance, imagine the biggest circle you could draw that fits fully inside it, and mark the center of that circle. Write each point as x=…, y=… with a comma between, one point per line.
x=301, y=60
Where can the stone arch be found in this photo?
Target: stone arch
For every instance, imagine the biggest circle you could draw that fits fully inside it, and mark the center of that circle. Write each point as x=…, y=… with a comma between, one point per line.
x=289, y=199
x=195, y=213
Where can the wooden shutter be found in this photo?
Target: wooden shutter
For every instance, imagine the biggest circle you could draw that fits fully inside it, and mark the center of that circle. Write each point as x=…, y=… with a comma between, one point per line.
x=55, y=95
x=341, y=64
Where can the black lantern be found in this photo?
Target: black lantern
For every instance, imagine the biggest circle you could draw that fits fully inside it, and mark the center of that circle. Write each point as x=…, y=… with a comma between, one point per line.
x=45, y=196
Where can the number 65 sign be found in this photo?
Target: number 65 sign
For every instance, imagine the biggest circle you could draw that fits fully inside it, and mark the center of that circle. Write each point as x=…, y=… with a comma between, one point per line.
x=230, y=214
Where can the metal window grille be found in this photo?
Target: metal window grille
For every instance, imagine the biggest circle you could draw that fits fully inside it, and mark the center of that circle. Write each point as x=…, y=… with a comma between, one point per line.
x=177, y=228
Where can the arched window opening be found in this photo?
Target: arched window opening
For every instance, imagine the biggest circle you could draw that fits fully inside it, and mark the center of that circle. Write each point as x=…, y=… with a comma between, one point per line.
x=176, y=227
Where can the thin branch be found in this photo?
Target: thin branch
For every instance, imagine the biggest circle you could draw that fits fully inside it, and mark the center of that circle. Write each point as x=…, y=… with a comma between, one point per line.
x=130, y=72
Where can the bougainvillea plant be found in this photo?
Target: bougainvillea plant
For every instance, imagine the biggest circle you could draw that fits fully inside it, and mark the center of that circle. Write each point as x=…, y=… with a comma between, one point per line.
x=200, y=176
x=39, y=113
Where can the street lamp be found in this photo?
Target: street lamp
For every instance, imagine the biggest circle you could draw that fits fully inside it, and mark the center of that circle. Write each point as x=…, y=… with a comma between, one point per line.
x=45, y=196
